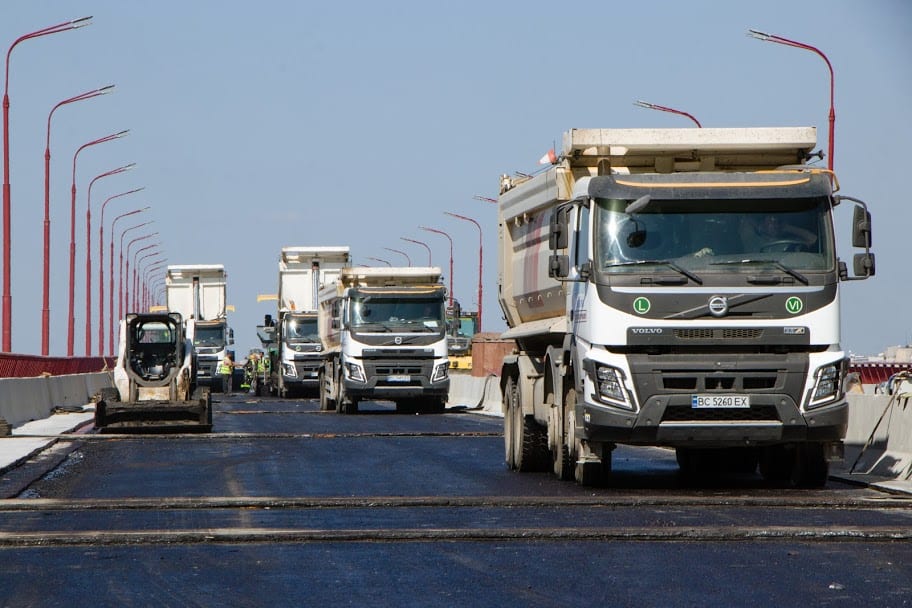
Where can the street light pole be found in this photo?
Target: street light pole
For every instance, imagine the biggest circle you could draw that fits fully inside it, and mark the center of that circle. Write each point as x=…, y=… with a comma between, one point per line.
x=71, y=312
x=111, y=280
x=46, y=274
x=807, y=47
x=132, y=280
x=7, y=295
x=101, y=308
x=655, y=106
x=382, y=261
x=127, y=276
x=423, y=244
x=450, y=239
x=88, y=282
x=401, y=253
x=121, y=296
x=138, y=286
x=480, y=257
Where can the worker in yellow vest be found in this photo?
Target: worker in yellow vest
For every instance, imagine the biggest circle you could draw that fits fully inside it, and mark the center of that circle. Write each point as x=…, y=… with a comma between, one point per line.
x=226, y=370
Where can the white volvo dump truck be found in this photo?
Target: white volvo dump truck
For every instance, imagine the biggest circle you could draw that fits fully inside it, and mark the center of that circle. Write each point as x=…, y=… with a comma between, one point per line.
x=303, y=271
x=199, y=292
x=678, y=288
x=384, y=333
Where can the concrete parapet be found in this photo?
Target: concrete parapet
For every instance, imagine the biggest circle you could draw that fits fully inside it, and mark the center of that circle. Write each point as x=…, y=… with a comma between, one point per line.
x=24, y=399
x=879, y=437
x=475, y=392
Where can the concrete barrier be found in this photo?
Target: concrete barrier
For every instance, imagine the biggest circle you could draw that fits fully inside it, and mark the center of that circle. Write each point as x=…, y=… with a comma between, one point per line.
x=879, y=438
x=25, y=399
x=474, y=392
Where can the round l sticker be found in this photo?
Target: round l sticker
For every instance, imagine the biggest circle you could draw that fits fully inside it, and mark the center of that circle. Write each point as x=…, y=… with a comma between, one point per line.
x=641, y=305
x=794, y=305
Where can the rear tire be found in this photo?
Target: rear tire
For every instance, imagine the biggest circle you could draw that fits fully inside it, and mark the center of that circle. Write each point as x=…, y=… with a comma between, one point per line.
x=562, y=462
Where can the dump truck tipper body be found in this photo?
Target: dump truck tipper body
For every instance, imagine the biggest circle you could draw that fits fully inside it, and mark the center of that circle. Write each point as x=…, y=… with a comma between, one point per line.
x=384, y=333
x=199, y=292
x=652, y=304
x=302, y=272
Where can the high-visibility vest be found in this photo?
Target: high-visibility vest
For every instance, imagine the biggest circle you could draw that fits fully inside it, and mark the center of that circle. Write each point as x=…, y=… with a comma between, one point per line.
x=224, y=368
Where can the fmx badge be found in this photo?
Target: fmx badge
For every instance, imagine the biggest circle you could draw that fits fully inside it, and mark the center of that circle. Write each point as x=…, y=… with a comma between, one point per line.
x=794, y=305
x=641, y=305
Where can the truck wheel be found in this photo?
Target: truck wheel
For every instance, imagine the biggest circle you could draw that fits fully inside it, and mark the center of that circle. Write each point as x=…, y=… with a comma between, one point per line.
x=326, y=404
x=510, y=402
x=810, y=469
x=348, y=406
x=560, y=456
x=101, y=414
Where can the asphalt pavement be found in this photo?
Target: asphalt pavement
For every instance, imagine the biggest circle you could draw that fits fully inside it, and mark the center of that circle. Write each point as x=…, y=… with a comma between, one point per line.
x=33, y=437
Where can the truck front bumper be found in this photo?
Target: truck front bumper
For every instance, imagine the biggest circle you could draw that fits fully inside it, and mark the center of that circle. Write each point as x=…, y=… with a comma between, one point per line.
x=671, y=421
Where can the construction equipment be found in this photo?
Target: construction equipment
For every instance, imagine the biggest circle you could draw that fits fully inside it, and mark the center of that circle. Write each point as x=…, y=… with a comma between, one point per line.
x=384, y=334
x=155, y=387
x=650, y=308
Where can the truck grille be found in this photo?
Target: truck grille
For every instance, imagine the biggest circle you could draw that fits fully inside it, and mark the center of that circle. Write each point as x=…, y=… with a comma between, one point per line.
x=689, y=414
x=726, y=333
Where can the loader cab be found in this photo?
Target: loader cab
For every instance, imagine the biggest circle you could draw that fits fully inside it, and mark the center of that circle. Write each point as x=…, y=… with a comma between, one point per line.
x=154, y=346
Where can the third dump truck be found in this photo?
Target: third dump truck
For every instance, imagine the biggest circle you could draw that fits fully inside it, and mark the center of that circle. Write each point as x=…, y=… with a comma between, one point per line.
x=384, y=330
x=677, y=288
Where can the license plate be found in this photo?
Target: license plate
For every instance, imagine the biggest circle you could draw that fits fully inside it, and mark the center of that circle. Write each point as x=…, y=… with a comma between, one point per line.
x=698, y=401
x=398, y=378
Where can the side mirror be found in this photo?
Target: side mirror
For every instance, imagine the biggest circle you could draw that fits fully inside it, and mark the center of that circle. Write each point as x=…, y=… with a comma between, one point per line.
x=558, y=266
x=558, y=237
x=861, y=227
x=863, y=265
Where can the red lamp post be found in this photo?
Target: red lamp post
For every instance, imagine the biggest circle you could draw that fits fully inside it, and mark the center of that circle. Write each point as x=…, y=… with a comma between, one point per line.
x=71, y=319
x=7, y=295
x=111, y=280
x=480, y=257
x=807, y=47
x=132, y=281
x=485, y=199
x=423, y=244
x=124, y=296
x=45, y=300
x=101, y=308
x=450, y=239
x=382, y=261
x=88, y=282
x=148, y=273
x=655, y=106
x=408, y=259
x=139, y=286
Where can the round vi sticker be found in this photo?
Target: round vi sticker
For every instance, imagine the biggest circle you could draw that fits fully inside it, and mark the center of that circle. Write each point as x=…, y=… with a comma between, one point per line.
x=794, y=305
x=641, y=305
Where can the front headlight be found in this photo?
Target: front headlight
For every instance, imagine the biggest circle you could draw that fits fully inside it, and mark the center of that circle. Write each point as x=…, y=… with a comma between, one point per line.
x=828, y=385
x=288, y=369
x=354, y=372
x=440, y=372
x=609, y=386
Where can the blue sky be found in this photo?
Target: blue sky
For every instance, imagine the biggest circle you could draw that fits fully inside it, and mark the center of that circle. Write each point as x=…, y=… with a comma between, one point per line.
x=256, y=126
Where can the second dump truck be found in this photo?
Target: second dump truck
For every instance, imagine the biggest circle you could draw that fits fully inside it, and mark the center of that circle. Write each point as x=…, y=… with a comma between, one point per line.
x=303, y=271
x=385, y=335
x=677, y=288
x=199, y=292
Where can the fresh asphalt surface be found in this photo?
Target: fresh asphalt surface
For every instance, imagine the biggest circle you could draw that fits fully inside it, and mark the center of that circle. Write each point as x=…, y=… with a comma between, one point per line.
x=284, y=505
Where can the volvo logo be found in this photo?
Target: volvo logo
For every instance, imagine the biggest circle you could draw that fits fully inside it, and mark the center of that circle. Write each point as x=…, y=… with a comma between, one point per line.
x=718, y=306
x=398, y=340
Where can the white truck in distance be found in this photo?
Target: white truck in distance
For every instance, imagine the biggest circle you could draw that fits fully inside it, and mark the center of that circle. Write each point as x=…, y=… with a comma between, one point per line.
x=679, y=288
x=302, y=272
x=199, y=292
x=384, y=332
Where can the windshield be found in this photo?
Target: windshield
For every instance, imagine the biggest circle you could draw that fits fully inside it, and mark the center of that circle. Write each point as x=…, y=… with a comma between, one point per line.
x=418, y=314
x=209, y=336
x=712, y=235
x=301, y=330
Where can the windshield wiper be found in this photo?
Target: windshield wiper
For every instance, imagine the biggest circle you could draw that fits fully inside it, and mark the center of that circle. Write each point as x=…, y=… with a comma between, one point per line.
x=668, y=263
x=789, y=271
